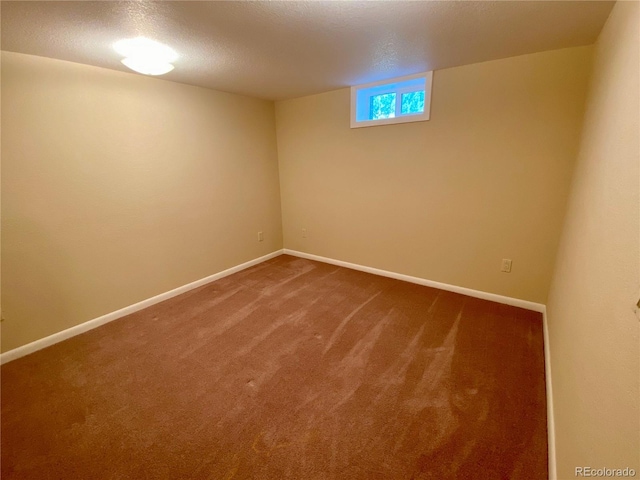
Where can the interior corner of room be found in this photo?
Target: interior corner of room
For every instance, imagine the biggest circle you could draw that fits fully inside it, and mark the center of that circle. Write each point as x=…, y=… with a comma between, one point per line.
x=121, y=191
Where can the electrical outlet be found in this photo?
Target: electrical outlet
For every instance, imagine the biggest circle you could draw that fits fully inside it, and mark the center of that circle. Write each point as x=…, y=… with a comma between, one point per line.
x=304, y=233
x=506, y=265
x=260, y=236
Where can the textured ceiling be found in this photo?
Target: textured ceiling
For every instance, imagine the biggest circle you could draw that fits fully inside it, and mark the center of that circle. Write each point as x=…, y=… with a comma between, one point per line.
x=282, y=50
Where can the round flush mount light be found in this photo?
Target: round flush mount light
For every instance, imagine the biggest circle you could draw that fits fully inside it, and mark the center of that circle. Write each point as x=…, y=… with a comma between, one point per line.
x=146, y=56
x=146, y=67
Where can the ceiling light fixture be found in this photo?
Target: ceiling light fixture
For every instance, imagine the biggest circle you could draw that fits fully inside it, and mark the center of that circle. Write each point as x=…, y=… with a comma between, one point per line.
x=147, y=67
x=146, y=56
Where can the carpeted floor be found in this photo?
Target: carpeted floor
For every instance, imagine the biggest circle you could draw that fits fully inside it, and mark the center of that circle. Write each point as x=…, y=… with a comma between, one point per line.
x=291, y=369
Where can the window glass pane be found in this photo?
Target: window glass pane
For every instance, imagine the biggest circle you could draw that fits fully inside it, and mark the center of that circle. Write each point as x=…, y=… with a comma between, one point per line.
x=412, y=102
x=383, y=106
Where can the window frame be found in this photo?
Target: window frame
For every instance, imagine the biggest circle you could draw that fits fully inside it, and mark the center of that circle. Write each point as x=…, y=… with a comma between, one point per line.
x=400, y=117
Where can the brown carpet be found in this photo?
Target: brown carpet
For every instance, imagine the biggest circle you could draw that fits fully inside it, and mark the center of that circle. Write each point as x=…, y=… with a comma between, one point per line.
x=289, y=370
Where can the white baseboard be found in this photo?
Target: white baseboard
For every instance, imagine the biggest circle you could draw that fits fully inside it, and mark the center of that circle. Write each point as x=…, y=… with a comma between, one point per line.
x=96, y=322
x=516, y=302
x=551, y=426
x=109, y=317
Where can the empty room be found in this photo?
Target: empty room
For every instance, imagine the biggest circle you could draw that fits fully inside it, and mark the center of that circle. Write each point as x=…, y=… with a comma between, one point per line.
x=309, y=240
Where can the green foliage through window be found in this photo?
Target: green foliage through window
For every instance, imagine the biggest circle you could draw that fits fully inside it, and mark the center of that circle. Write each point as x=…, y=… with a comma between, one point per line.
x=384, y=106
x=412, y=102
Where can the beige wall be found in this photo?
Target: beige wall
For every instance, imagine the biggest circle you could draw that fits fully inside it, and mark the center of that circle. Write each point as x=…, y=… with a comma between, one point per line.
x=594, y=341
x=486, y=178
x=117, y=187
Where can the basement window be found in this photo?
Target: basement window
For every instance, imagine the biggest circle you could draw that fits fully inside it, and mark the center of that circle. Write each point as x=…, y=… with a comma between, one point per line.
x=399, y=100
